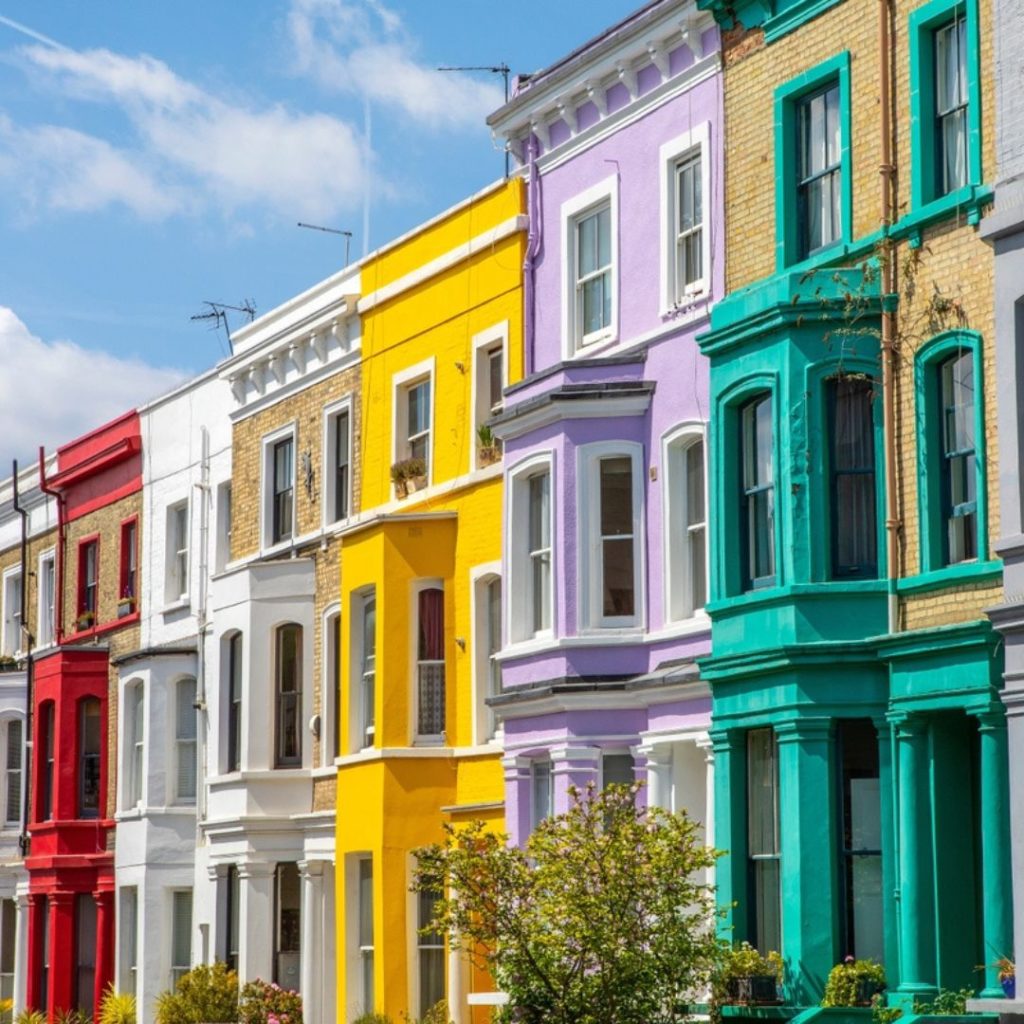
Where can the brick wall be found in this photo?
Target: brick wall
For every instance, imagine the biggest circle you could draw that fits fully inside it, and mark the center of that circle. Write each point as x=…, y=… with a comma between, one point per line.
x=12, y=557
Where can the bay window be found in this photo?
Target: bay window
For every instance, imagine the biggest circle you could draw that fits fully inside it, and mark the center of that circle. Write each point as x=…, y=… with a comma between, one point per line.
x=90, y=741
x=758, y=492
x=959, y=468
x=430, y=665
x=288, y=699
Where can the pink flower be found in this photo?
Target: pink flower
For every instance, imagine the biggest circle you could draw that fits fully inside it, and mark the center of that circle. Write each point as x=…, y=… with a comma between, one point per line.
x=272, y=1019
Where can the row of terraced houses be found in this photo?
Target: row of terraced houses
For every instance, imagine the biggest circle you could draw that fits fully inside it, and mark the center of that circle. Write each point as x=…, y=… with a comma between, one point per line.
x=690, y=454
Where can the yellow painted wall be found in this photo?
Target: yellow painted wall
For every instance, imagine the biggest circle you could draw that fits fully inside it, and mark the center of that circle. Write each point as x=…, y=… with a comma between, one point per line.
x=390, y=803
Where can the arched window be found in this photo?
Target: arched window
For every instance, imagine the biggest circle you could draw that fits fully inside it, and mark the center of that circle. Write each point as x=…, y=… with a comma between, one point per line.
x=288, y=688
x=134, y=744
x=90, y=735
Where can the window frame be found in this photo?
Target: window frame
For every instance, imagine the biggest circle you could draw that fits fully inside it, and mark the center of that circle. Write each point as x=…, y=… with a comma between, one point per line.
x=482, y=578
x=182, y=744
x=485, y=343
x=128, y=938
x=419, y=587
x=11, y=639
x=753, y=923
x=362, y=735
x=83, y=586
x=46, y=614
x=545, y=763
x=128, y=569
x=402, y=383
x=267, y=494
x=45, y=794
x=7, y=822
x=294, y=761
x=233, y=651
x=678, y=570
x=922, y=26
x=788, y=98
x=589, y=546
x=177, y=545
x=518, y=565
x=329, y=505
x=224, y=509
x=80, y=760
x=134, y=746
x=573, y=211
x=176, y=971
x=931, y=522
x=749, y=581
x=697, y=141
x=331, y=685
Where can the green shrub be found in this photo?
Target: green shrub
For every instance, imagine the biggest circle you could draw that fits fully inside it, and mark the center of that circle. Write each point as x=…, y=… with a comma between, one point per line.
x=207, y=993
x=116, y=1007
x=743, y=961
x=261, y=1002
x=947, y=1003
x=843, y=980
x=31, y=1017
x=373, y=1018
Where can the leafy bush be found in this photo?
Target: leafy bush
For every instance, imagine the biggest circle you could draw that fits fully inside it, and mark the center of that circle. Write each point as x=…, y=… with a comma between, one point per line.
x=947, y=1003
x=116, y=1007
x=71, y=1017
x=261, y=1002
x=846, y=978
x=407, y=469
x=373, y=1018
x=207, y=993
x=743, y=961
x=31, y=1017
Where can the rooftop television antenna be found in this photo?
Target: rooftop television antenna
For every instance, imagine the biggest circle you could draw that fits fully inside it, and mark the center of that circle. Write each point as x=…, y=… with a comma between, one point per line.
x=217, y=315
x=495, y=69
x=331, y=231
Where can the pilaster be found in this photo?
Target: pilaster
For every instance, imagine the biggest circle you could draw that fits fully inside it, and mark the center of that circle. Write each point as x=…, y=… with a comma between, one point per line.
x=255, y=921
x=730, y=826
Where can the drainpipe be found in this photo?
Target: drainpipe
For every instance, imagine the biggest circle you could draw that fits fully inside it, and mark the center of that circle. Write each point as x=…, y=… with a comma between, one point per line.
x=201, y=621
x=58, y=612
x=533, y=240
x=27, y=633
x=890, y=299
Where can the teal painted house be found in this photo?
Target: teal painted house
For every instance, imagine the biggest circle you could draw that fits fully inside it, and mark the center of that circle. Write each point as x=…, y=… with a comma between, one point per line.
x=858, y=732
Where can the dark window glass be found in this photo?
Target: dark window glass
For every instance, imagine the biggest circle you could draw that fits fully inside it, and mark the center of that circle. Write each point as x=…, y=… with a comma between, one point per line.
x=12, y=802
x=89, y=740
x=289, y=696
x=8, y=937
x=368, y=694
x=854, y=518
x=46, y=727
x=44, y=951
x=495, y=381
x=341, y=465
x=959, y=467
x=234, y=702
x=819, y=185
x=85, y=951
x=618, y=583
x=758, y=492
x=287, y=932
x=283, y=489
x=951, y=106
x=88, y=569
x=430, y=666
x=539, y=534
x=334, y=654
x=366, y=932
x=231, y=918
x=763, y=839
x=689, y=223
x=617, y=769
x=129, y=561
x=861, y=839
x=431, y=951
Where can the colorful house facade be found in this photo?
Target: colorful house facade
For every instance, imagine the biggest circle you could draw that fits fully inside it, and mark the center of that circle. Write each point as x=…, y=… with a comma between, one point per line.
x=604, y=438
x=441, y=314
x=859, y=735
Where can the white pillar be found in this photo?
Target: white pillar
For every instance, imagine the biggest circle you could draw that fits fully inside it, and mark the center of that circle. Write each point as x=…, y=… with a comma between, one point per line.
x=660, y=790
x=255, y=921
x=311, y=974
x=21, y=948
x=456, y=983
x=327, y=933
x=706, y=745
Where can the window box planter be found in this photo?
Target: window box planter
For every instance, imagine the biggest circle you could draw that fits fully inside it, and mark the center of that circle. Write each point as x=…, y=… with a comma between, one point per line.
x=866, y=990
x=408, y=476
x=488, y=446
x=85, y=621
x=749, y=979
x=125, y=607
x=757, y=989
x=854, y=983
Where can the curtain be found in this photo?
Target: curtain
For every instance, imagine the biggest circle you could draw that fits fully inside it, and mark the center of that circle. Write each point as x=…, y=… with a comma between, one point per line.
x=431, y=641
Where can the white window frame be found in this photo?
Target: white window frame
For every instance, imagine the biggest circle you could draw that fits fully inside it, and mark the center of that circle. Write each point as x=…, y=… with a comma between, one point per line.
x=678, y=596
x=176, y=589
x=175, y=971
x=133, y=767
x=5, y=725
x=267, y=442
x=128, y=938
x=485, y=728
x=671, y=154
x=535, y=818
x=11, y=641
x=519, y=589
x=573, y=210
x=484, y=343
x=224, y=511
x=330, y=654
x=46, y=615
x=355, y=952
x=424, y=739
x=419, y=946
x=182, y=743
x=401, y=383
x=588, y=543
x=360, y=738
x=329, y=516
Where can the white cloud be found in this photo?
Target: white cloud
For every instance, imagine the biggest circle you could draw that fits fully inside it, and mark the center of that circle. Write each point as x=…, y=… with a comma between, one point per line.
x=43, y=383
x=363, y=48
x=191, y=150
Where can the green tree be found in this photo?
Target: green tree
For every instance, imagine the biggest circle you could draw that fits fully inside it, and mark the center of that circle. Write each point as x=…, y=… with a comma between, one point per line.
x=603, y=918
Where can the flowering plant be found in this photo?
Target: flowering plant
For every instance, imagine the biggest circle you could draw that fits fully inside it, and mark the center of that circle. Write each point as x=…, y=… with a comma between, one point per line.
x=262, y=1002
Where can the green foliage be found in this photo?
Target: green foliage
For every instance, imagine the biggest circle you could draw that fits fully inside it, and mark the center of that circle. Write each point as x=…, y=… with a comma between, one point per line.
x=407, y=469
x=601, y=919
x=743, y=961
x=262, y=1002
x=71, y=1017
x=373, y=1018
x=844, y=979
x=485, y=436
x=31, y=1017
x=207, y=993
x=883, y=1014
x=437, y=1014
x=116, y=1007
x=947, y=1003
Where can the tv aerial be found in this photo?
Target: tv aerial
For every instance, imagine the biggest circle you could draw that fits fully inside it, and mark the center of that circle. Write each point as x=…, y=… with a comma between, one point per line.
x=216, y=315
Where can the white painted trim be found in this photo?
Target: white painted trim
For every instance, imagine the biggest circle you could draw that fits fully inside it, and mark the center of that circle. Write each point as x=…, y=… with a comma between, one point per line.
x=401, y=382
x=572, y=211
x=675, y=557
x=50, y=554
x=416, y=586
x=480, y=577
x=356, y=739
x=267, y=443
x=12, y=572
x=516, y=573
x=578, y=409
x=670, y=154
x=482, y=343
x=343, y=405
x=329, y=714
x=588, y=555
x=479, y=243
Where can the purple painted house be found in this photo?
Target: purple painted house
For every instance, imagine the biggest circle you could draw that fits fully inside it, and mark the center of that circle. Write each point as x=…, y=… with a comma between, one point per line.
x=605, y=523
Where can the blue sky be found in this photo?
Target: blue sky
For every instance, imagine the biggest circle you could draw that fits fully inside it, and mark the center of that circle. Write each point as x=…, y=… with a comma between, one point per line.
x=155, y=155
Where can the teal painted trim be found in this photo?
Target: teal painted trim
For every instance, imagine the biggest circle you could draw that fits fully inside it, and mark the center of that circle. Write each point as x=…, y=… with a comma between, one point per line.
x=944, y=639
x=787, y=594
x=952, y=576
x=969, y=201
x=786, y=98
x=758, y=1012
x=922, y=25
x=929, y=432
x=793, y=17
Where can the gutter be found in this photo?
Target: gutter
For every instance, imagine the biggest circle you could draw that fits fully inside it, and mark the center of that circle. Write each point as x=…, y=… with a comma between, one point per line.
x=23, y=838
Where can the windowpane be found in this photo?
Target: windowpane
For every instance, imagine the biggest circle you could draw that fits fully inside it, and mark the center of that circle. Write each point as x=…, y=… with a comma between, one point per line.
x=593, y=271
x=431, y=669
x=854, y=517
x=541, y=785
x=617, y=540
x=494, y=634
x=89, y=758
x=283, y=489
x=341, y=443
x=289, y=695
x=8, y=938
x=181, y=934
x=617, y=769
x=819, y=176
x=12, y=804
x=366, y=932
x=185, y=735
x=128, y=937
x=287, y=931
x=763, y=837
x=539, y=531
x=495, y=379
x=369, y=669
x=85, y=951
x=232, y=917
x=46, y=728
x=959, y=482
x=951, y=105
x=431, y=953
x=136, y=725
x=695, y=525
x=757, y=462
x=234, y=702
x=767, y=905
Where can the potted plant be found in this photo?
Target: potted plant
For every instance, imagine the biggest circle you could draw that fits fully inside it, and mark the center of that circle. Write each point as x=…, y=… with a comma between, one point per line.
x=854, y=983
x=1007, y=974
x=85, y=620
x=125, y=606
x=489, y=448
x=408, y=475
x=748, y=977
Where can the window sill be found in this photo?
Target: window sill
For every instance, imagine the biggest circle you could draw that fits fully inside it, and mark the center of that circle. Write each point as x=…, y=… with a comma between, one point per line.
x=970, y=199
x=962, y=574
x=601, y=343
x=698, y=623
x=776, y=594
x=103, y=627
x=183, y=604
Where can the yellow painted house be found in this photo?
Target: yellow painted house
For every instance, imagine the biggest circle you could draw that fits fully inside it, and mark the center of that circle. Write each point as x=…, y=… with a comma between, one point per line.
x=420, y=589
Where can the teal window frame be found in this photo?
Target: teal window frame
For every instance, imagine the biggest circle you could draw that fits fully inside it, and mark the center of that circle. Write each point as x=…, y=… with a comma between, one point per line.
x=930, y=449
x=787, y=103
x=923, y=24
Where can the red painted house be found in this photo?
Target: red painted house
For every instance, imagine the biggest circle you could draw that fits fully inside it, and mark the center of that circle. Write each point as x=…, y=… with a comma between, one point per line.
x=70, y=862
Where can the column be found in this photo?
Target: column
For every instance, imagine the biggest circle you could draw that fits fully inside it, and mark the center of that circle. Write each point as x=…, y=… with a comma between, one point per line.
x=255, y=921
x=997, y=921
x=217, y=874
x=707, y=748
x=730, y=826
x=311, y=967
x=456, y=983
x=806, y=844
x=659, y=775
x=915, y=888
x=890, y=894
x=573, y=766
x=517, y=797
x=104, y=944
x=63, y=968
x=21, y=948
x=33, y=957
